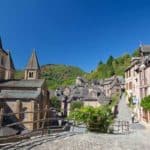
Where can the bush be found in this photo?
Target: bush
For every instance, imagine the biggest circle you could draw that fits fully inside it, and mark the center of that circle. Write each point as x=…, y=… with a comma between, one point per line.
x=76, y=105
x=96, y=119
x=145, y=103
x=56, y=103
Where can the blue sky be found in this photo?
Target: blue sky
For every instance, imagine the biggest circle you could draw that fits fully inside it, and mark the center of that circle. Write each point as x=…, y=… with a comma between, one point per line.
x=75, y=32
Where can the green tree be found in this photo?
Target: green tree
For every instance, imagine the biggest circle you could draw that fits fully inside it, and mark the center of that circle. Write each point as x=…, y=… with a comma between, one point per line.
x=110, y=60
x=100, y=63
x=110, y=68
x=76, y=105
x=56, y=103
x=136, y=53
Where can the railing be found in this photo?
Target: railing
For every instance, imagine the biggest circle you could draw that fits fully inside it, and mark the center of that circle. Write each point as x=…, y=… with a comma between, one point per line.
x=18, y=122
x=121, y=127
x=43, y=130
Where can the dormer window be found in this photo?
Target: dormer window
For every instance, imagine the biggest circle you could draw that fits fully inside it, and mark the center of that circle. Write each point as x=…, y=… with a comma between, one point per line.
x=30, y=74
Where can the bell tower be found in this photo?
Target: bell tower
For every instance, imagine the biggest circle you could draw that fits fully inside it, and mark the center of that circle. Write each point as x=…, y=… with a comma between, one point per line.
x=32, y=71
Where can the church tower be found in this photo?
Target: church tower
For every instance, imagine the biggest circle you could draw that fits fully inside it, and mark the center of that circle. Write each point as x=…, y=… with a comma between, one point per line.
x=10, y=68
x=32, y=71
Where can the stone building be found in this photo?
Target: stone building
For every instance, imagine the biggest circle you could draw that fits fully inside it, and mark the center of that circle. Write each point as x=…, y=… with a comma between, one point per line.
x=112, y=85
x=137, y=81
x=27, y=95
x=94, y=93
x=89, y=94
x=7, y=68
x=132, y=79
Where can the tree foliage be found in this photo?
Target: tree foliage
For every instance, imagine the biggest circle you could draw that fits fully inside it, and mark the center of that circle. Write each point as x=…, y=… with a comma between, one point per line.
x=96, y=119
x=76, y=105
x=110, y=60
x=145, y=103
x=60, y=75
x=55, y=103
x=113, y=66
x=136, y=53
x=100, y=63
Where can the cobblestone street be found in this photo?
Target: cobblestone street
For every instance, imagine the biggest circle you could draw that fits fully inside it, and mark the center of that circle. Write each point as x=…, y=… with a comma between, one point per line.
x=91, y=141
x=137, y=139
x=124, y=112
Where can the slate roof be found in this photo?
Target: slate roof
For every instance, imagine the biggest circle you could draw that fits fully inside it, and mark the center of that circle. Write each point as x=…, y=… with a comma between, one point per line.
x=9, y=62
x=1, y=46
x=121, y=79
x=107, y=82
x=33, y=62
x=115, y=83
x=23, y=83
x=80, y=92
x=147, y=60
x=83, y=94
x=145, y=48
x=3, y=51
x=20, y=94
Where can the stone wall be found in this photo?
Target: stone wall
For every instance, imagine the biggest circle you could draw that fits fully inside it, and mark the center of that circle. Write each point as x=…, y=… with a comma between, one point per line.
x=17, y=106
x=92, y=103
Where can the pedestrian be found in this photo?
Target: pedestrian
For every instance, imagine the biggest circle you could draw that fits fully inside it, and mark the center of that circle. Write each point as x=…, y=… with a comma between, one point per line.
x=116, y=110
x=133, y=117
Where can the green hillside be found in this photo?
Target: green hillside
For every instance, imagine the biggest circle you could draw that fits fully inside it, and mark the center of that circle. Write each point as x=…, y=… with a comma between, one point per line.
x=113, y=66
x=60, y=75
x=57, y=75
x=19, y=74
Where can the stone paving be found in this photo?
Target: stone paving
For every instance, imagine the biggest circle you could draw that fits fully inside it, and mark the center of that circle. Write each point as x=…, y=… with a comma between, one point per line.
x=91, y=141
x=137, y=139
x=123, y=110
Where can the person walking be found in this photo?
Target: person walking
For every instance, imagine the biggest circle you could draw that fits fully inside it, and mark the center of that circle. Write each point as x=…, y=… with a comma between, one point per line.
x=133, y=117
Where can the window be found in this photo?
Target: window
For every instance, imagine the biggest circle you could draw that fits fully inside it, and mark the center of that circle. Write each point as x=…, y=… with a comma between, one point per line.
x=117, y=90
x=30, y=74
x=126, y=86
x=98, y=94
x=129, y=73
x=130, y=85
